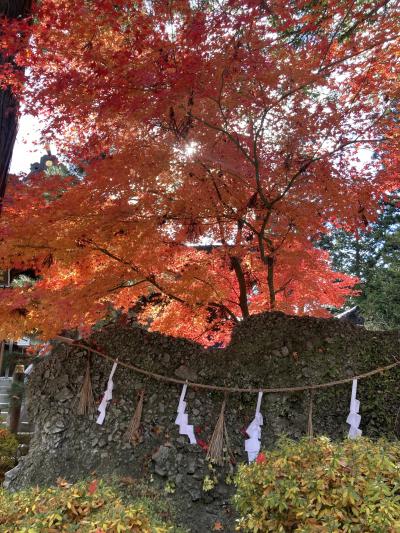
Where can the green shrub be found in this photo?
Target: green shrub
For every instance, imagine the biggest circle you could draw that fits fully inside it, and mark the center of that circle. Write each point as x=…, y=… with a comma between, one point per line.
x=85, y=507
x=8, y=450
x=318, y=485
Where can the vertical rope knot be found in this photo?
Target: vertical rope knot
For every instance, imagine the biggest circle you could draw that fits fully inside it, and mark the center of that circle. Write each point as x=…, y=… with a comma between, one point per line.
x=134, y=433
x=86, y=403
x=310, y=429
x=219, y=442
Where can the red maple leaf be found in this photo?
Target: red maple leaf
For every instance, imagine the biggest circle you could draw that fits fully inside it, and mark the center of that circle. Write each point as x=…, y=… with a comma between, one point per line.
x=92, y=486
x=261, y=458
x=202, y=444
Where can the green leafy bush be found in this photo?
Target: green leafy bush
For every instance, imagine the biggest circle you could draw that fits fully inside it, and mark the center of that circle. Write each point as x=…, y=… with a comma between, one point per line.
x=318, y=485
x=85, y=507
x=8, y=450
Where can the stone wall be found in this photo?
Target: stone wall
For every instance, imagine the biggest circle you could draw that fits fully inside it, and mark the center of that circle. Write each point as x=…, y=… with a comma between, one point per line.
x=268, y=349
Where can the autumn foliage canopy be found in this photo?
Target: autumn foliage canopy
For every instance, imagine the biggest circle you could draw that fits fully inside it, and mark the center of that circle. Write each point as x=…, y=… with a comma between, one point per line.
x=217, y=141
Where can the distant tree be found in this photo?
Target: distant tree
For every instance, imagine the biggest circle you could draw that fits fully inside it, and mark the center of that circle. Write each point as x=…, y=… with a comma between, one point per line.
x=373, y=255
x=380, y=300
x=357, y=253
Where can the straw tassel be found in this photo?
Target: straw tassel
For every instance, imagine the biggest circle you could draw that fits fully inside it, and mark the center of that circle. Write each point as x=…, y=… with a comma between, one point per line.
x=219, y=439
x=310, y=430
x=86, y=401
x=133, y=433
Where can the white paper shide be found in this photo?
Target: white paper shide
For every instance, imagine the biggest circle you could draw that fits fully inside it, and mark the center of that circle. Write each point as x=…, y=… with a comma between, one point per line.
x=253, y=443
x=182, y=420
x=354, y=418
x=107, y=397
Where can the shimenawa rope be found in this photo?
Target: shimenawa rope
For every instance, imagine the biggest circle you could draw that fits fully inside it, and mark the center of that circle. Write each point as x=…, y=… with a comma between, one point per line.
x=192, y=384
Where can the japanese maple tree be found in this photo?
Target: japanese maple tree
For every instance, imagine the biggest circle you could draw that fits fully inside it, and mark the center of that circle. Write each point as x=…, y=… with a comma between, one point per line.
x=218, y=140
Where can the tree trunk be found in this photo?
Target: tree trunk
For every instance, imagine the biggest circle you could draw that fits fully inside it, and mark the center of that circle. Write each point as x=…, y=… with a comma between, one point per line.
x=244, y=307
x=271, y=284
x=12, y=9
x=357, y=261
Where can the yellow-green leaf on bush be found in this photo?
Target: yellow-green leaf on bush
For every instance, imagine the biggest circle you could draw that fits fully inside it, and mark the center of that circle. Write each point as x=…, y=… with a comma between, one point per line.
x=74, y=508
x=8, y=450
x=319, y=485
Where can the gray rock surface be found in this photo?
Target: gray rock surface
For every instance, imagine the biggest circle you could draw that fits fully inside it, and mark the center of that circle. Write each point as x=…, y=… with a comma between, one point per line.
x=270, y=350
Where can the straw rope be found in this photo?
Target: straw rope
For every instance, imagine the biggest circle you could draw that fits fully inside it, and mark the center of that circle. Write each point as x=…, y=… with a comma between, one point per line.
x=310, y=429
x=133, y=433
x=218, y=447
x=192, y=384
x=86, y=403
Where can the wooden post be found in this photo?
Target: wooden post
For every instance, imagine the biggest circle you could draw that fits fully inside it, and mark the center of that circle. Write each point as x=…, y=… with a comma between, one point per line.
x=16, y=397
x=1, y=356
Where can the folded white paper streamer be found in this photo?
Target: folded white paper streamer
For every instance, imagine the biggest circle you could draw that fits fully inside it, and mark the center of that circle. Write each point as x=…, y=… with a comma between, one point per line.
x=354, y=418
x=252, y=444
x=182, y=419
x=107, y=396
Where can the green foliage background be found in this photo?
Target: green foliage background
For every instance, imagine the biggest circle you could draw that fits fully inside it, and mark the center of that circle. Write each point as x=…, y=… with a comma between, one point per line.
x=374, y=256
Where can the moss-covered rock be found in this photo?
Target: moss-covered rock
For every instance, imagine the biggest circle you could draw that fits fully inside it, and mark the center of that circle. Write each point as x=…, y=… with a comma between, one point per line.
x=270, y=350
